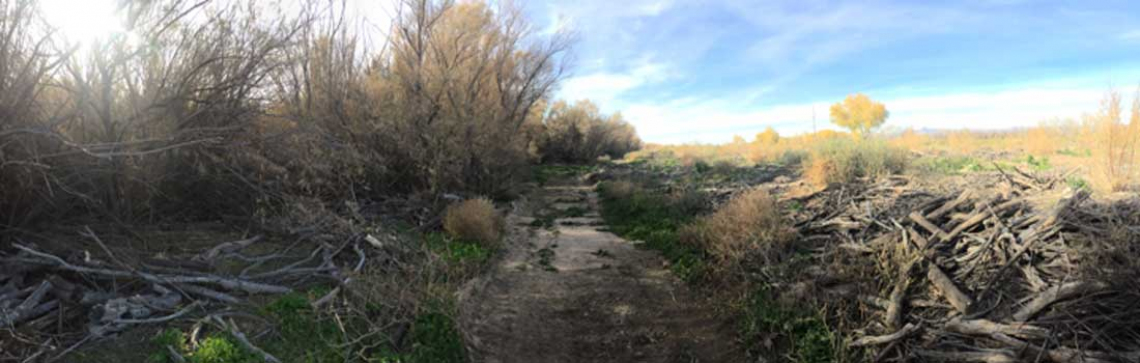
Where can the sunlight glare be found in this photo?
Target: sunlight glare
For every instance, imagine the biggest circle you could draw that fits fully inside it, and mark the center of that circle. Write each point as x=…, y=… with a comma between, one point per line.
x=83, y=21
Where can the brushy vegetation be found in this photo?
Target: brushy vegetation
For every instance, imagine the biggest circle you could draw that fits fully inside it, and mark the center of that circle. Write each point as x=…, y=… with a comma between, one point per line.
x=802, y=336
x=193, y=121
x=713, y=248
x=578, y=133
x=474, y=220
x=750, y=224
x=837, y=162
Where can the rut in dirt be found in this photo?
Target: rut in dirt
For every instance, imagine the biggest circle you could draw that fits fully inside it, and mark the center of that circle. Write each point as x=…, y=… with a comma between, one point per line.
x=573, y=292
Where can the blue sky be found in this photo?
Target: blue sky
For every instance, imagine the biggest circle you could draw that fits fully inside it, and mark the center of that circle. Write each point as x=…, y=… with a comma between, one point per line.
x=703, y=71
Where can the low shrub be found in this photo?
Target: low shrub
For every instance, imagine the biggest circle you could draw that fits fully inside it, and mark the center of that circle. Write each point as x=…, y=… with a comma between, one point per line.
x=845, y=161
x=474, y=220
x=749, y=223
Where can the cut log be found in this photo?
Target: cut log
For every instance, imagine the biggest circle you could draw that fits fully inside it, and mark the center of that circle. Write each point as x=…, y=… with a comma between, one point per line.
x=228, y=283
x=947, y=289
x=949, y=207
x=924, y=223
x=1057, y=293
x=228, y=247
x=884, y=339
x=980, y=215
x=27, y=308
x=1057, y=355
x=983, y=327
x=982, y=356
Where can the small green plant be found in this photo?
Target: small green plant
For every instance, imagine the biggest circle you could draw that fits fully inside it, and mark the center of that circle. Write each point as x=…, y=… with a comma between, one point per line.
x=435, y=337
x=457, y=251
x=1077, y=183
x=1039, y=164
x=952, y=165
x=222, y=349
x=603, y=253
x=803, y=336
x=1081, y=153
x=546, y=259
x=170, y=337
x=302, y=335
x=219, y=348
x=574, y=212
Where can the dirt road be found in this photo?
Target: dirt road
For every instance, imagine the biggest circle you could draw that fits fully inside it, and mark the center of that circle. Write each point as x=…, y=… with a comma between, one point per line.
x=572, y=292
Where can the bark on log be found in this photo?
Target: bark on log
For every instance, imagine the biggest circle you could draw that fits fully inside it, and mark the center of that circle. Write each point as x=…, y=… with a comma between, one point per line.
x=948, y=289
x=1057, y=293
x=884, y=339
x=228, y=283
x=983, y=327
x=949, y=207
x=26, y=309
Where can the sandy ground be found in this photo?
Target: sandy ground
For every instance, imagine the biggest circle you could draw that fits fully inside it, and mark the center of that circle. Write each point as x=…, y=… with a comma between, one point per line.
x=594, y=297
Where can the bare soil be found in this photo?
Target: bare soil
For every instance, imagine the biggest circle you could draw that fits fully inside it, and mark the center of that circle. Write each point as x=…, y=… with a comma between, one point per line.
x=576, y=293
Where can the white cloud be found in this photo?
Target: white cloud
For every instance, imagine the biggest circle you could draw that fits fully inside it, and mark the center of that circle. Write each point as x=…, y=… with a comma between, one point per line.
x=605, y=88
x=1130, y=36
x=716, y=121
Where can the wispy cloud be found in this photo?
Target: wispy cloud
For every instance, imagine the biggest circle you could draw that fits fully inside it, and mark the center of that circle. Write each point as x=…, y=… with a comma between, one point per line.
x=1130, y=36
x=608, y=87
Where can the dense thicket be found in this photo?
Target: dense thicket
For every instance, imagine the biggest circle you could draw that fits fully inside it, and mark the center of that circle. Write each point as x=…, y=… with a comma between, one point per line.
x=579, y=133
x=209, y=109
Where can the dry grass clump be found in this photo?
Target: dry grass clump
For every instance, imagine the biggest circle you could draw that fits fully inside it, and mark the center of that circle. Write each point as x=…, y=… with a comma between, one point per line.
x=749, y=223
x=618, y=189
x=1116, y=166
x=474, y=220
x=843, y=161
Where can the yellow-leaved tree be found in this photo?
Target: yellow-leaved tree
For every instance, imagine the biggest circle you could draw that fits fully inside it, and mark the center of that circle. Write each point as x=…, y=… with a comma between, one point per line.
x=859, y=113
x=768, y=137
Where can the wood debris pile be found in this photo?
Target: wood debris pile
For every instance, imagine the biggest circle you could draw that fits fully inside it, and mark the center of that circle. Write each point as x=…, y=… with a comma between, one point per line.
x=979, y=275
x=51, y=303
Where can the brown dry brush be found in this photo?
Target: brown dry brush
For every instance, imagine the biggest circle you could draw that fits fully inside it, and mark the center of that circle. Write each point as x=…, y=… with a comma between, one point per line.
x=977, y=275
x=283, y=122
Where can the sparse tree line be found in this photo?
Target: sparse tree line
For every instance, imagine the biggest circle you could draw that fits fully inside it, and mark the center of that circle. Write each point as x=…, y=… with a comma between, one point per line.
x=211, y=108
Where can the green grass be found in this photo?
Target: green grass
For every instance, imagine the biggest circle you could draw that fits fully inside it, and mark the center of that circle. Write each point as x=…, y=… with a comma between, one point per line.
x=802, y=336
x=304, y=337
x=1082, y=153
x=1077, y=183
x=543, y=174
x=951, y=165
x=1038, y=163
x=457, y=251
x=655, y=220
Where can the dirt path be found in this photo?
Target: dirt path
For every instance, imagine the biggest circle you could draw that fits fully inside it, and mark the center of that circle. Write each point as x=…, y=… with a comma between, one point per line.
x=575, y=293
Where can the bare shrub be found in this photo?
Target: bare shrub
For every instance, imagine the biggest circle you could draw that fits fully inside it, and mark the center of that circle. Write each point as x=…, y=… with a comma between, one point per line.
x=750, y=223
x=474, y=220
x=579, y=133
x=1115, y=144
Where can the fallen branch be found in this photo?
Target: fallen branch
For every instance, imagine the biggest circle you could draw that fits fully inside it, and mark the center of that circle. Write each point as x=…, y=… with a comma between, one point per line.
x=27, y=308
x=232, y=284
x=1051, y=295
x=948, y=289
x=884, y=339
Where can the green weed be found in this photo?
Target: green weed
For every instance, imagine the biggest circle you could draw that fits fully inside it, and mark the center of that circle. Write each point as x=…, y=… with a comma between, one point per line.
x=546, y=258
x=802, y=336
x=1039, y=164
x=655, y=220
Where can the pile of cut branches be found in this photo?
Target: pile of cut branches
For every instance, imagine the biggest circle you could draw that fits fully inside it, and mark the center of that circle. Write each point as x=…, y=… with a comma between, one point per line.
x=51, y=303
x=977, y=275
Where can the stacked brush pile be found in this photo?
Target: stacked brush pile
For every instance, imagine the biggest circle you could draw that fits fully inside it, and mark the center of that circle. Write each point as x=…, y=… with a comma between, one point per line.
x=986, y=274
